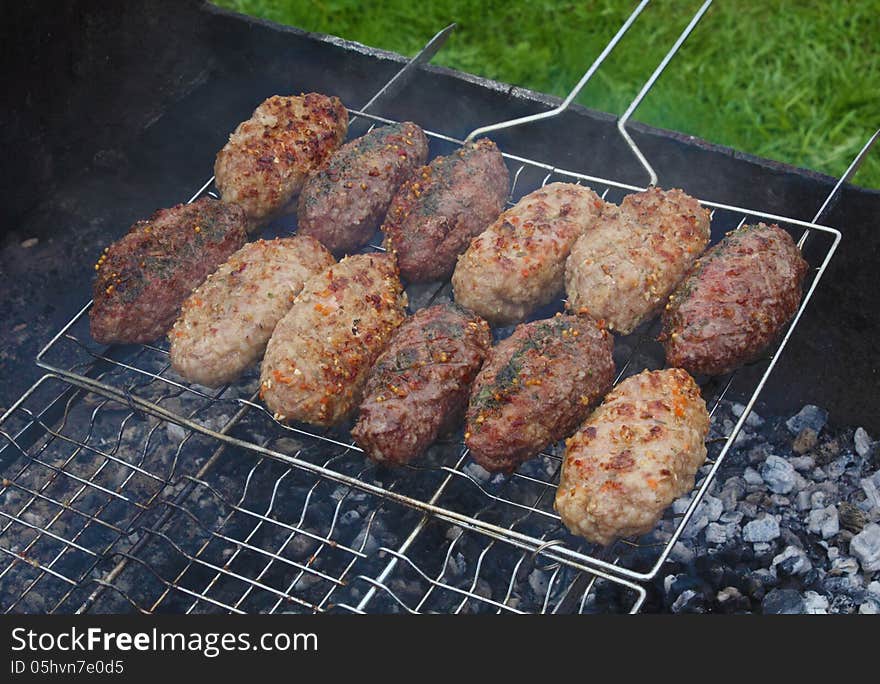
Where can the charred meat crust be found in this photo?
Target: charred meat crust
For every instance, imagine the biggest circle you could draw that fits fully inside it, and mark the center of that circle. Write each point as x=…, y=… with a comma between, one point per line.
x=536, y=387
x=320, y=354
x=734, y=301
x=623, y=270
x=437, y=211
x=419, y=385
x=345, y=200
x=225, y=323
x=143, y=278
x=518, y=263
x=265, y=163
x=637, y=453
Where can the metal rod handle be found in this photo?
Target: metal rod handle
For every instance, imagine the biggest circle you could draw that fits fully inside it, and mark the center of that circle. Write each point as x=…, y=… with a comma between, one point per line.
x=621, y=122
x=833, y=196
x=849, y=173
x=402, y=77
x=574, y=93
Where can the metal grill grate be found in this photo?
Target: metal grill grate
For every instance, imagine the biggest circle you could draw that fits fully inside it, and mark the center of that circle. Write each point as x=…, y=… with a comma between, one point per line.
x=253, y=515
x=139, y=375
x=110, y=509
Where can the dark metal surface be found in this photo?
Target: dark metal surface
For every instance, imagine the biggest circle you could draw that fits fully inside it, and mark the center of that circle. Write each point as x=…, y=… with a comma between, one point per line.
x=115, y=110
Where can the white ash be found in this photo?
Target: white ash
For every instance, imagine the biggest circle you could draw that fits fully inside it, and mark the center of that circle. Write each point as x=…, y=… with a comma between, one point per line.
x=865, y=546
x=753, y=420
x=793, y=561
x=803, y=464
x=799, y=525
x=808, y=417
x=476, y=472
x=779, y=474
x=763, y=529
x=872, y=493
x=539, y=581
x=870, y=607
x=456, y=565
x=175, y=432
x=815, y=604
x=862, y=442
x=752, y=477
x=824, y=521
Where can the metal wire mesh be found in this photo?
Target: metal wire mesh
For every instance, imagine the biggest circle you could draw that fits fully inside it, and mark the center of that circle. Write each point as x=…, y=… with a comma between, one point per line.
x=108, y=509
x=271, y=517
x=445, y=484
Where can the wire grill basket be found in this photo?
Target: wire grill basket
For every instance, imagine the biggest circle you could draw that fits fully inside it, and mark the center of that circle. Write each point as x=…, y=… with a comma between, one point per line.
x=128, y=488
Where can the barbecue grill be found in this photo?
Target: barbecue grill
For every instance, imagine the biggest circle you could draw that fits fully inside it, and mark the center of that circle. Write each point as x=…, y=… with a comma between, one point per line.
x=127, y=488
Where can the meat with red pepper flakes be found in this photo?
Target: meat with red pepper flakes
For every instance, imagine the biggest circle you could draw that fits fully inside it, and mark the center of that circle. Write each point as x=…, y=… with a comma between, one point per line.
x=265, y=163
x=419, y=386
x=343, y=202
x=734, y=301
x=437, y=211
x=518, y=263
x=319, y=356
x=143, y=278
x=636, y=454
x=623, y=269
x=225, y=324
x=536, y=387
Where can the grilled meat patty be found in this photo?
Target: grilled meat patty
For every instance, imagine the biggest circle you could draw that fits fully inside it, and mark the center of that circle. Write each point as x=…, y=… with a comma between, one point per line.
x=345, y=200
x=143, y=278
x=320, y=353
x=636, y=454
x=536, y=387
x=623, y=269
x=226, y=322
x=419, y=385
x=443, y=205
x=265, y=163
x=734, y=301
x=518, y=263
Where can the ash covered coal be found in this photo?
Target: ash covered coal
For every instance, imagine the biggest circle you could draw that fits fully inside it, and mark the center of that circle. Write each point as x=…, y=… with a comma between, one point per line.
x=791, y=523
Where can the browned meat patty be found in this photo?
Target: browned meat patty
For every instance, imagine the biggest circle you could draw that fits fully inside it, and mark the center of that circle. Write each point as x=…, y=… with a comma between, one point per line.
x=437, y=211
x=536, y=387
x=734, y=301
x=225, y=323
x=143, y=278
x=636, y=454
x=518, y=263
x=265, y=163
x=343, y=202
x=623, y=269
x=419, y=386
x=319, y=356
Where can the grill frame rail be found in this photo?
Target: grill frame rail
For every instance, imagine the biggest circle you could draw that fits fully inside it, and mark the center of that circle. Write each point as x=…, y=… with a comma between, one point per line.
x=97, y=371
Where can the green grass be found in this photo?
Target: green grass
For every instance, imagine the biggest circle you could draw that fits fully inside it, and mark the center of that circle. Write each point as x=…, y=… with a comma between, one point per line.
x=794, y=81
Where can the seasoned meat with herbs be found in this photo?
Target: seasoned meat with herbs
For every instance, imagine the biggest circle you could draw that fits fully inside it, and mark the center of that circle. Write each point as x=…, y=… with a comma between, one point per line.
x=734, y=301
x=265, y=163
x=419, y=386
x=536, y=387
x=518, y=263
x=321, y=352
x=443, y=205
x=143, y=278
x=623, y=269
x=636, y=454
x=345, y=200
x=226, y=322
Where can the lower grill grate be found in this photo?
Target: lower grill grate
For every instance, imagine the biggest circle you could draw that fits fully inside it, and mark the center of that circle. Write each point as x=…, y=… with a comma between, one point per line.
x=108, y=509
x=128, y=488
